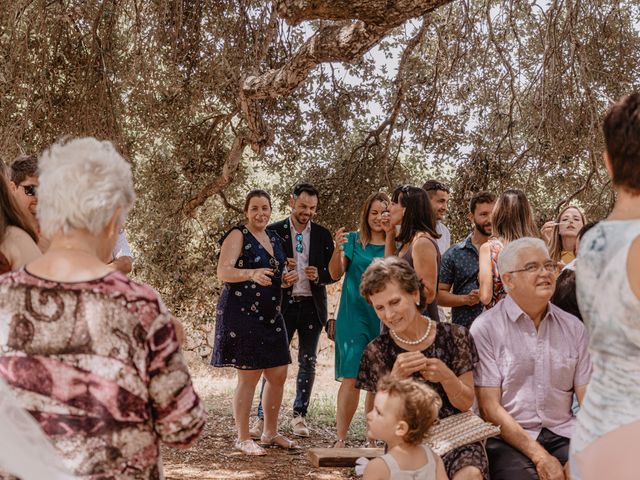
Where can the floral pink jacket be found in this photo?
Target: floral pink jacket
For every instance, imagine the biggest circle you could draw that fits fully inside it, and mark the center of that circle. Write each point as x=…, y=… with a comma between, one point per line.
x=99, y=366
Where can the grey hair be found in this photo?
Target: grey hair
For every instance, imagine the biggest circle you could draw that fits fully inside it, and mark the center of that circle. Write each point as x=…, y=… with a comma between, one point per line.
x=508, y=257
x=83, y=181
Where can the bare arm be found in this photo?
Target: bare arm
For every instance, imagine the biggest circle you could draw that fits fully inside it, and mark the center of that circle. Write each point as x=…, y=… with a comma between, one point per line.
x=19, y=248
x=448, y=299
x=460, y=391
x=633, y=272
x=376, y=469
x=441, y=473
x=511, y=432
x=485, y=275
x=580, y=391
x=425, y=263
x=339, y=263
x=389, y=241
x=229, y=253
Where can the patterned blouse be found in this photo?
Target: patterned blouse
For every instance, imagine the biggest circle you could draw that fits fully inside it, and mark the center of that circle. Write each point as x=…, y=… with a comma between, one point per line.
x=98, y=365
x=495, y=246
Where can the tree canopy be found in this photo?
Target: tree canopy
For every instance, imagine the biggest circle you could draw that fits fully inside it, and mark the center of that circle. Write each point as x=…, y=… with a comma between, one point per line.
x=209, y=98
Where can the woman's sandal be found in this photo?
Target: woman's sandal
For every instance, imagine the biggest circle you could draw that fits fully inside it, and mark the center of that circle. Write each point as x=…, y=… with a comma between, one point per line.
x=279, y=441
x=249, y=447
x=339, y=444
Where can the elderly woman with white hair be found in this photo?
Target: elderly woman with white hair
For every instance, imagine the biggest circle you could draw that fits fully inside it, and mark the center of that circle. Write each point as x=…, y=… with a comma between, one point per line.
x=90, y=353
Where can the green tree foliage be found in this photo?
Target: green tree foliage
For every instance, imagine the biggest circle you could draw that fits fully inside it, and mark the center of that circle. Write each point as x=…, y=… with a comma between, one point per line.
x=486, y=94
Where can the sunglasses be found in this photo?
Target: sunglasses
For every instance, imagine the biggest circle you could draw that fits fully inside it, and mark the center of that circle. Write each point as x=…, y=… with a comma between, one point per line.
x=30, y=190
x=299, y=246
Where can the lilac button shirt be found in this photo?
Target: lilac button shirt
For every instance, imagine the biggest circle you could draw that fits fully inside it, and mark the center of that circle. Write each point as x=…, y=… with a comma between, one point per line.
x=537, y=371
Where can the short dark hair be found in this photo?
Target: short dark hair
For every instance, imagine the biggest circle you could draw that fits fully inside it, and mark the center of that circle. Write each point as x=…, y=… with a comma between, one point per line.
x=305, y=188
x=23, y=167
x=621, y=130
x=434, y=186
x=564, y=295
x=481, y=197
x=418, y=214
x=254, y=194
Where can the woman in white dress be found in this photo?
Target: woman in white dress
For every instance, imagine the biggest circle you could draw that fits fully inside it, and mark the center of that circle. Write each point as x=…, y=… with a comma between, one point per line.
x=608, y=291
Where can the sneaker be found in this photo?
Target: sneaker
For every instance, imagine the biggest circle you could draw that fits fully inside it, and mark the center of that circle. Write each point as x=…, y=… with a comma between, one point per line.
x=256, y=430
x=299, y=427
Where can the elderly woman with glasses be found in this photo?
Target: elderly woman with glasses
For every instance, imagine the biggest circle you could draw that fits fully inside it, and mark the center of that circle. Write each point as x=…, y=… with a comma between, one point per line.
x=92, y=354
x=442, y=355
x=250, y=331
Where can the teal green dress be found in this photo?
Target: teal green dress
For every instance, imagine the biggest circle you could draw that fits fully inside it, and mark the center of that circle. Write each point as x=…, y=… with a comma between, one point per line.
x=357, y=323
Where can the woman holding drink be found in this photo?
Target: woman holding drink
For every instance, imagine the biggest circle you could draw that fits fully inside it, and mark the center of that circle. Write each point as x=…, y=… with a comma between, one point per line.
x=357, y=323
x=250, y=331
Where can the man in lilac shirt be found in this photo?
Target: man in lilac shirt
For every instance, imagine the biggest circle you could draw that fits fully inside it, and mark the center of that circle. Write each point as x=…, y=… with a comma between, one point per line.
x=533, y=358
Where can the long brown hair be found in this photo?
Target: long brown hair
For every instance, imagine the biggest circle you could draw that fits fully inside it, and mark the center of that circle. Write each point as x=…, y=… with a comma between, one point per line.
x=12, y=213
x=512, y=217
x=418, y=215
x=555, y=248
x=365, y=229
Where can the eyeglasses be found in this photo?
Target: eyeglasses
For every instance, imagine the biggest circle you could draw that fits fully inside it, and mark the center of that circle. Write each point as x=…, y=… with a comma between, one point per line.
x=30, y=190
x=299, y=246
x=551, y=267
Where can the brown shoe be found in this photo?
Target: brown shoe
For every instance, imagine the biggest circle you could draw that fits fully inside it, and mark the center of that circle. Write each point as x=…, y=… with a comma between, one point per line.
x=256, y=430
x=299, y=427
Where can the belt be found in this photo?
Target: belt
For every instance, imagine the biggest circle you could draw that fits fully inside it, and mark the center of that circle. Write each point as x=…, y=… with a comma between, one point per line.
x=301, y=298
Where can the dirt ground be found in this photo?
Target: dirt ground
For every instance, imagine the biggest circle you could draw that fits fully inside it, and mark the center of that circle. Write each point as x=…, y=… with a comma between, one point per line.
x=213, y=457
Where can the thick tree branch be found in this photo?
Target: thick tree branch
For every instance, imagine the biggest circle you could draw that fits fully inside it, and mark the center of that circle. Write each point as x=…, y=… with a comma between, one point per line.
x=336, y=42
x=369, y=11
x=231, y=164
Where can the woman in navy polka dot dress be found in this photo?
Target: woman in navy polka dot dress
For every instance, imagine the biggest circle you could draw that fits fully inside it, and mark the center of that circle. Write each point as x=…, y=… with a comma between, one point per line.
x=250, y=332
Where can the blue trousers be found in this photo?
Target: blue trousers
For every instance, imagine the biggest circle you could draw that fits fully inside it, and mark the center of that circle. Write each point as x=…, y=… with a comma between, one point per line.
x=301, y=317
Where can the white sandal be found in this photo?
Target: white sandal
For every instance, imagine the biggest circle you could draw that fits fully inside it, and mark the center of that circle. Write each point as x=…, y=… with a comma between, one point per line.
x=249, y=447
x=279, y=441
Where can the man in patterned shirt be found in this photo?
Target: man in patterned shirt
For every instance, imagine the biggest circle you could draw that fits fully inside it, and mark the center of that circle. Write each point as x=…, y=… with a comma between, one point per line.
x=458, y=281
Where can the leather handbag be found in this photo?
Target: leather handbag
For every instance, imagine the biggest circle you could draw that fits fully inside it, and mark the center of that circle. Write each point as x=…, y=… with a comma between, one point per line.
x=457, y=430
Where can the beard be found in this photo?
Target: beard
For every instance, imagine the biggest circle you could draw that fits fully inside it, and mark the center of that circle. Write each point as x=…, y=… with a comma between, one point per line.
x=483, y=229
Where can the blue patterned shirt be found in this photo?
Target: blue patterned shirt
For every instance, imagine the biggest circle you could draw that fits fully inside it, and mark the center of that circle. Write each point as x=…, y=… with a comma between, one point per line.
x=459, y=268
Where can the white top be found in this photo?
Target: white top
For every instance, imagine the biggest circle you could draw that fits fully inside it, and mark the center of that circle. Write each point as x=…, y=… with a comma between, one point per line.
x=444, y=242
x=26, y=450
x=122, y=247
x=302, y=287
x=611, y=312
x=426, y=472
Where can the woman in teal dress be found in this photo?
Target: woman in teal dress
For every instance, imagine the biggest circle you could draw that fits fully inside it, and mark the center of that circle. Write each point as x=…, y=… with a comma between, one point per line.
x=357, y=323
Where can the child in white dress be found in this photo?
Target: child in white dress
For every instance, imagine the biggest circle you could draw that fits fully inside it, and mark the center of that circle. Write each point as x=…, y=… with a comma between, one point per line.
x=403, y=411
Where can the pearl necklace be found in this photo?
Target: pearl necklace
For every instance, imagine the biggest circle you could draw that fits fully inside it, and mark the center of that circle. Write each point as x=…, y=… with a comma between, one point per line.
x=413, y=342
